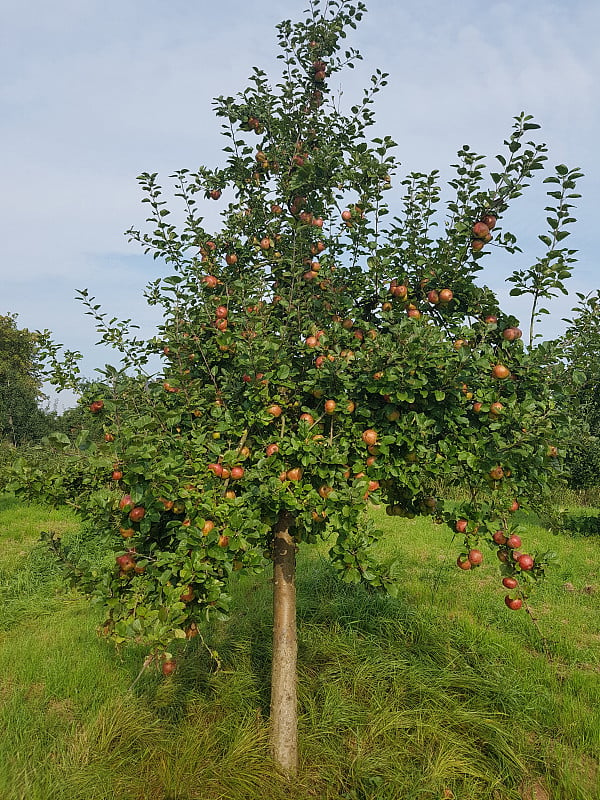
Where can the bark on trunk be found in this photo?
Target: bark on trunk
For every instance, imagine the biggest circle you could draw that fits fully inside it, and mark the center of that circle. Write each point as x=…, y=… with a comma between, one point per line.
x=284, y=717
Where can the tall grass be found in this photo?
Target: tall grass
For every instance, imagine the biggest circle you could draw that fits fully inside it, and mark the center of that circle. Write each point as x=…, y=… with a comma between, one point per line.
x=439, y=693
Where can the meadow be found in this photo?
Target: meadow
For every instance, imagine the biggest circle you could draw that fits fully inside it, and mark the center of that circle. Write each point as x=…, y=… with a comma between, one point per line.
x=439, y=693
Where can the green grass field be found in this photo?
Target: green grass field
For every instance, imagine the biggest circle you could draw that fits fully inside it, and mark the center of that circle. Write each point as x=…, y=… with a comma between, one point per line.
x=441, y=693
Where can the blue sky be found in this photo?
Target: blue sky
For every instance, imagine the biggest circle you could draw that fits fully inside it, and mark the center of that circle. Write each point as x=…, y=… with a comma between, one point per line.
x=93, y=93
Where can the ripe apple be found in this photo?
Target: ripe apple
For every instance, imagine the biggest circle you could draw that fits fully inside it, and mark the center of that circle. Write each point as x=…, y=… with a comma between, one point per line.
x=463, y=563
x=433, y=297
x=477, y=407
x=325, y=491
x=514, y=506
x=496, y=473
x=350, y=406
x=216, y=469
x=230, y=494
x=311, y=341
x=210, y=281
x=308, y=418
x=461, y=525
x=330, y=406
x=369, y=437
x=526, y=562
x=480, y=230
x=215, y=194
x=489, y=220
x=207, y=527
x=514, y=541
x=231, y=259
x=475, y=556
x=125, y=562
x=221, y=312
x=476, y=245
x=96, y=406
x=500, y=371
x=276, y=209
x=414, y=313
x=168, y=667
x=271, y=449
x=294, y=474
x=510, y=583
x=125, y=501
x=496, y=408
x=237, y=473
x=275, y=411
x=490, y=319
x=499, y=537
x=515, y=604
x=126, y=533
x=116, y=475
x=346, y=215
x=109, y=437
x=137, y=513
x=446, y=295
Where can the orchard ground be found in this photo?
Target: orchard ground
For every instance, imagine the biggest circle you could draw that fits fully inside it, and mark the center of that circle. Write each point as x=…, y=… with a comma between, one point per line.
x=439, y=693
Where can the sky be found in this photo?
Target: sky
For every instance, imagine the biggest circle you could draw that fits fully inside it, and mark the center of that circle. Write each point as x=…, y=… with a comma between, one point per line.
x=94, y=93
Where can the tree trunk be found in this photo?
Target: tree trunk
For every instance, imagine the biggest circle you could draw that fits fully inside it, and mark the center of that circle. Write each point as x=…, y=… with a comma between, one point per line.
x=284, y=715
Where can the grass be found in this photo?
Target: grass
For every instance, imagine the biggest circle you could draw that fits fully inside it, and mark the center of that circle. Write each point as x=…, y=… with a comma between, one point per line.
x=439, y=693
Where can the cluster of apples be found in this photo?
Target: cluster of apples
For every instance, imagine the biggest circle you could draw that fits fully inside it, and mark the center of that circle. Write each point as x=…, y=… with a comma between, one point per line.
x=481, y=232
x=508, y=552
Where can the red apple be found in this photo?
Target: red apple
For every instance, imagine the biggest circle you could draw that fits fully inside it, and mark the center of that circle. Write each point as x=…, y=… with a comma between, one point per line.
x=510, y=583
x=475, y=556
x=275, y=411
x=514, y=541
x=526, y=562
x=137, y=513
x=500, y=371
x=515, y=604
x=480, y=230
x=463, y=563
x=446, y=295
x=237, y=473
x=168, y=667
x=215, y=194
x=461, y=525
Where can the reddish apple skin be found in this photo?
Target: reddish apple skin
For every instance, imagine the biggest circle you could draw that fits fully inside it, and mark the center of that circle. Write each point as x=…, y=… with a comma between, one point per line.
x=168, y=667
x=526, y=562
x=480, y=230
x=475, y=556
x=514, y=541
x=446, y=295
x=500, y=372
x=237, y=473
x=490, y=220
x=509, y=583
x=216, y=469
x=463, y=563
x=461, y=525
x=514, y=604
x=369, y=436
x=125, y=501
x=271, y=449
x=499, y=537
x=137, y=514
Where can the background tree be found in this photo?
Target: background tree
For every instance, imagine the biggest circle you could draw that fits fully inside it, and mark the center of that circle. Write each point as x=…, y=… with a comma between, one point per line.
x=21, y=418
x=581, y=344
x=316, y=357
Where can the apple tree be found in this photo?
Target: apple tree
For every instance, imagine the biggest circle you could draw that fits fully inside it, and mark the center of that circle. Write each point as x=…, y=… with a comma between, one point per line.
x=324, y=348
